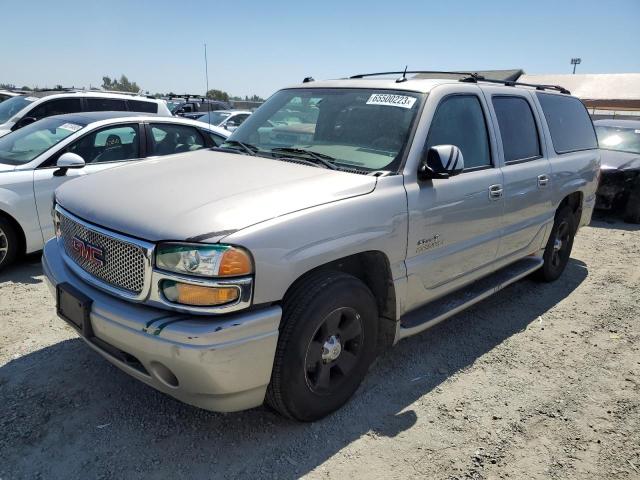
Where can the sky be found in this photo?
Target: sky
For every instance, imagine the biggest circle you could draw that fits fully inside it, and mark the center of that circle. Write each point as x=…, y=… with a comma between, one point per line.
x=257, y=47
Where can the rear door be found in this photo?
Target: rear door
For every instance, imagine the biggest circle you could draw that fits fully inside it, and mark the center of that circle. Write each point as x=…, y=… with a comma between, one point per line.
x=526, y=172
x=101, y=149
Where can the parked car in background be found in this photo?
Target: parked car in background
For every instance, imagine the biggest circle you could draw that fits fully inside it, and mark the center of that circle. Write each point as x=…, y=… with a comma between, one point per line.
x=227, y=119
x=7, y=94
x=22, y=110
x=280, y=266
x=620, y=171
x=39, y=157
x=194, y=107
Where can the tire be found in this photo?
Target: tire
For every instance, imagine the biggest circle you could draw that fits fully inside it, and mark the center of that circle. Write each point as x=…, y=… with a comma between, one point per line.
x=8, y=243
x=632, y=209
x=327, y=342
x=558, y=249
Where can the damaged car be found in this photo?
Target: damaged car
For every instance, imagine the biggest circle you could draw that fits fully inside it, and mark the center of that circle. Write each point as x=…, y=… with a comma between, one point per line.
x=620, y=171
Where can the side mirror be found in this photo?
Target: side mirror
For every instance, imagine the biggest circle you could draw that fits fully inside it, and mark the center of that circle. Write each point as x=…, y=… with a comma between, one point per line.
x=441, y=161
x=68, y=160
x=230, y=126
x=23, y=122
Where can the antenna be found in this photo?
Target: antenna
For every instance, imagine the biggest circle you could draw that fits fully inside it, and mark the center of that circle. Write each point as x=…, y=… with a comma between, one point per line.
x=206, y=72
x=404, y=76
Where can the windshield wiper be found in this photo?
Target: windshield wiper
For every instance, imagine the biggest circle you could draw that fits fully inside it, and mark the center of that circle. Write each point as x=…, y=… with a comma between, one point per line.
x=246, y=147
x=319, y=158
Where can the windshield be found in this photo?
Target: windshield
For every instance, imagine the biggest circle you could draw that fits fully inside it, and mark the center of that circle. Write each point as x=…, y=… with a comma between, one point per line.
x=355, y=128
x=619, y=138
x=214, y=118
x=27, y=143
x=10, y=107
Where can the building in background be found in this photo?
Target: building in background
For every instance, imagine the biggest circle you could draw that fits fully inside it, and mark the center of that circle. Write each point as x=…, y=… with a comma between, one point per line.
x=606, y=95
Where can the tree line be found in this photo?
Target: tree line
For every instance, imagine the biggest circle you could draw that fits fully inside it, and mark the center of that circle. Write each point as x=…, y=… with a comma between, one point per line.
x=123, y=84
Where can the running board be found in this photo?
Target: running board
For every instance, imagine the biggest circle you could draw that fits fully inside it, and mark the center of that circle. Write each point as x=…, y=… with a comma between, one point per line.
x=435, y=312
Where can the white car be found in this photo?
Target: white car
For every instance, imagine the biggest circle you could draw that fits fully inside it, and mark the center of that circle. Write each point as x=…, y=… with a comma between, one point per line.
x=21, y=110
x=227, y=119
x=36, y=159
x=7, y=94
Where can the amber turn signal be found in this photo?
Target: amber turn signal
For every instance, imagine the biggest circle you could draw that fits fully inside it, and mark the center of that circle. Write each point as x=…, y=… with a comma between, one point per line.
x=235, y=262
x=197, y=295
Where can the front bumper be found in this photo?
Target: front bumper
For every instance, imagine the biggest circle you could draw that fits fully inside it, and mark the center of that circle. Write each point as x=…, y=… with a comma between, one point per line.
x=216, y=363
x=614, y=188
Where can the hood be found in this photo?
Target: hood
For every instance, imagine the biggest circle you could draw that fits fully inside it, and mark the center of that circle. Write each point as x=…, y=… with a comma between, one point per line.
x=615, y=160
x=5, y=167
x=203, y=195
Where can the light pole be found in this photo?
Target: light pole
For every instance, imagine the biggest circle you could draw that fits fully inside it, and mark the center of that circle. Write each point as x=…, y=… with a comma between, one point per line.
x=575, y=62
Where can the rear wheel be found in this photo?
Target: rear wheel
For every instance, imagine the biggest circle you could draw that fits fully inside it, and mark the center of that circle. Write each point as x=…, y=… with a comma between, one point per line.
x=8, y=243
x=558, y=249
x=327, y=342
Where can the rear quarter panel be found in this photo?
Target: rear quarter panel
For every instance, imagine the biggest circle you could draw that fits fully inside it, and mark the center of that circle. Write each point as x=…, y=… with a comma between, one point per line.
x=571, y=172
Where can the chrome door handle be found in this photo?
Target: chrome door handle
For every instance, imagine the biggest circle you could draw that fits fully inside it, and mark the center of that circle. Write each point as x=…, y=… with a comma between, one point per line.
x=495, y=192
x=543, y=180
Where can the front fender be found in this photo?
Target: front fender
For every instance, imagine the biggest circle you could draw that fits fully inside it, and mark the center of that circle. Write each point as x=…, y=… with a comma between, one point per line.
x=287, y=247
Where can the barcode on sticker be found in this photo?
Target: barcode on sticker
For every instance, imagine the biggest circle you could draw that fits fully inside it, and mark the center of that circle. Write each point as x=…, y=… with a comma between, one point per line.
x=391, y=100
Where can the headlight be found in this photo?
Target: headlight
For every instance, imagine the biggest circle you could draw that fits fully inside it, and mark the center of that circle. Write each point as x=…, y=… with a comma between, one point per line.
x=203, y=260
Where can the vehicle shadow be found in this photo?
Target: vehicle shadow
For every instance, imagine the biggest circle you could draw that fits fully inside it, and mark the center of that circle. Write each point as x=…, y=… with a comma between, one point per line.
x=612, y=221
x=25, y=270
x=69, y=413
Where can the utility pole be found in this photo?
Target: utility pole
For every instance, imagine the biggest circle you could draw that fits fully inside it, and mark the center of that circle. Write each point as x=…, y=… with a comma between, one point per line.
x=575, y=62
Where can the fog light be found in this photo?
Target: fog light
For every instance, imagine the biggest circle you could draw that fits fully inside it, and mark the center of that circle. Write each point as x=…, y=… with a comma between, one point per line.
x=198, y=296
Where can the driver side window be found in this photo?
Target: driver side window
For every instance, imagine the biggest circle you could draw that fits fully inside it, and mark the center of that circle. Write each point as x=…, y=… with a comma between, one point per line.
x=459, y=120
x=111, y=144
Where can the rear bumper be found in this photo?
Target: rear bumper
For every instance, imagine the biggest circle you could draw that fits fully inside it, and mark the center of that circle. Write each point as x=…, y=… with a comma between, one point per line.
x=215, y=363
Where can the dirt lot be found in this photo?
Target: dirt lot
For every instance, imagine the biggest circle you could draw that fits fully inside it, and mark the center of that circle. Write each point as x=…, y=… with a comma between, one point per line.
x=540, y=381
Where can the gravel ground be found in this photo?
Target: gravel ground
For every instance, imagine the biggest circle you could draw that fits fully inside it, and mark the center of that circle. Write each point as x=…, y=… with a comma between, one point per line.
x=539, y=381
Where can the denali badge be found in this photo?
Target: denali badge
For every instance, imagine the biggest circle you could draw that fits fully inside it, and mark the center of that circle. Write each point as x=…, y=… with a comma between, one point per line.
x=88, y=252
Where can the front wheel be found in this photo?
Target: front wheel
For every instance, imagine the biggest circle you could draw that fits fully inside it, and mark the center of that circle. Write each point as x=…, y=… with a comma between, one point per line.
x=8, y=243
x=558, y=249
x=326, y=345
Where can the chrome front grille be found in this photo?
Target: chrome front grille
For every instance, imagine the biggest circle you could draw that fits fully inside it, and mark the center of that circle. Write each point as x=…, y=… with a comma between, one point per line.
x=123, y=263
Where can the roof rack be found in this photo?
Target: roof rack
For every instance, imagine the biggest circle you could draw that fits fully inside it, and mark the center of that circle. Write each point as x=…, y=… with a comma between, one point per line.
x=467, y=77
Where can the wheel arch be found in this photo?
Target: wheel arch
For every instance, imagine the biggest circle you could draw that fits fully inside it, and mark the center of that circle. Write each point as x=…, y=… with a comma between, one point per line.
x=374, y=270
x=574, y=201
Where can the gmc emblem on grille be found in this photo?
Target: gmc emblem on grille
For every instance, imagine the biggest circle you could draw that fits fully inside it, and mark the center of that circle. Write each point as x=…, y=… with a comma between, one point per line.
x=88, y=252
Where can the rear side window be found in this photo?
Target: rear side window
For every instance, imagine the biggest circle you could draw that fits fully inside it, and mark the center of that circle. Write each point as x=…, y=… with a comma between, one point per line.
x=569, y=123
x=459, y=120
x=517, y=128
x=105, y=105
x=140, y=106
x=56, y=107
x=167, y=139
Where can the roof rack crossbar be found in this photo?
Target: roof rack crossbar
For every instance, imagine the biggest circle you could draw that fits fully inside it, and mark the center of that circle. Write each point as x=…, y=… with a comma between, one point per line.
x=467, y=74
x=537, y=86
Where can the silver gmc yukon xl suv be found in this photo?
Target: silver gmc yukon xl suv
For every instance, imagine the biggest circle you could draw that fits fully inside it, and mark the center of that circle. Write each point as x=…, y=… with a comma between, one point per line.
x=338, y=219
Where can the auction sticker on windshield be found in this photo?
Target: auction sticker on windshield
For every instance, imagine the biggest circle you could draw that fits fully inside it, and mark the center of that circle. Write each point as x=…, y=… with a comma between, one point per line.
x=70, y=126
x=391, y=100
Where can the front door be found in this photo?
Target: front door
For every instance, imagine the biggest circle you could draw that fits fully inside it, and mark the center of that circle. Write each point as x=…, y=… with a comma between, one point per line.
x=101, y=149
x=455, y=223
